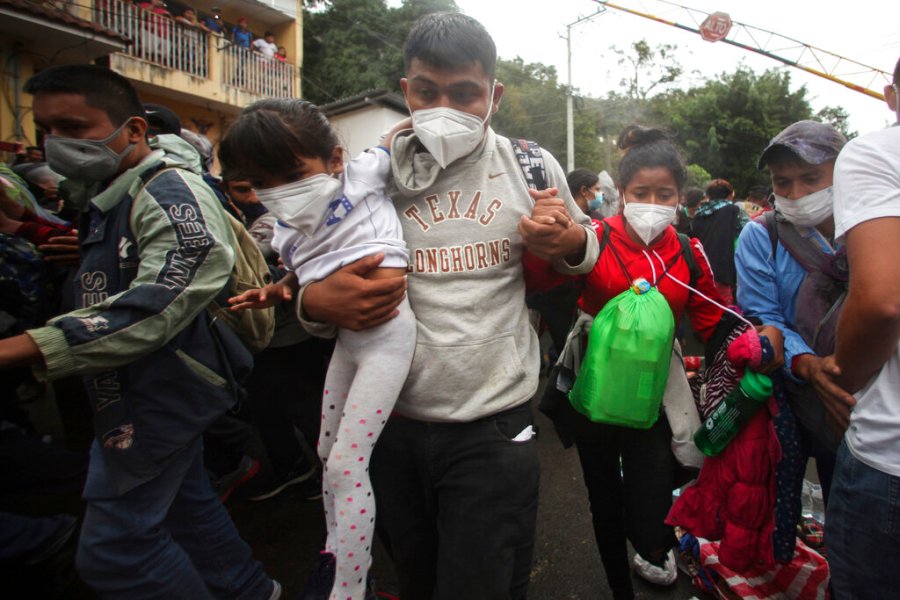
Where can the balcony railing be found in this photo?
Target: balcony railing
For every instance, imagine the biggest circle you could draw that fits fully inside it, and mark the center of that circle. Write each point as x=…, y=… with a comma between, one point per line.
x=160, y=40
x=257, y=73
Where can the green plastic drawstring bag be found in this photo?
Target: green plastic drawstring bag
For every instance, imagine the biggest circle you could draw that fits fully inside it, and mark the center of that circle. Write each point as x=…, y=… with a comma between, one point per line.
x=624, y=372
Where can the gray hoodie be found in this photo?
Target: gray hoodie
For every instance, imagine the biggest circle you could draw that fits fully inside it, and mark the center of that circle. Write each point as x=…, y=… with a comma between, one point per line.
x=476, y=352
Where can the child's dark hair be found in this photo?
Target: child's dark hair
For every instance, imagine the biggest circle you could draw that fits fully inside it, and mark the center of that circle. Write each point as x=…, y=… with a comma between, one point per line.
x=646, y=149
x=450, y=40
x=580, y=178
x=102, y=89
x=270, y=134
x=719, y=189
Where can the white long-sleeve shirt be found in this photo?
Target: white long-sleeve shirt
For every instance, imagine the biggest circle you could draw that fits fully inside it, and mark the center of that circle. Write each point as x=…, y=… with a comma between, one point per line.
x=362, y=222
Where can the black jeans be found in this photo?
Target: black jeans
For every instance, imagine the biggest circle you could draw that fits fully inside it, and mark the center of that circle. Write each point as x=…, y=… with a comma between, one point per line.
x=457, y=505
x=629, y=474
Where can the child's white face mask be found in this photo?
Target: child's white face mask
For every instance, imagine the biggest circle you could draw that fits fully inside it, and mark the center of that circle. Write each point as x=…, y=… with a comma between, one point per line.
x=302, y=205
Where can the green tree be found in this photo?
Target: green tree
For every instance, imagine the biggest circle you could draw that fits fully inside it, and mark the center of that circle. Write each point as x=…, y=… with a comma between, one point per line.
x=837, y=117
x=534, y=106
x=724, y=124
x=649, y=67
x=697, y=176
x=351, y=46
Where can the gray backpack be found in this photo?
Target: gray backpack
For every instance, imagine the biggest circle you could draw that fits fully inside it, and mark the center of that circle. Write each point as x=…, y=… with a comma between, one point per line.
x=821, y=294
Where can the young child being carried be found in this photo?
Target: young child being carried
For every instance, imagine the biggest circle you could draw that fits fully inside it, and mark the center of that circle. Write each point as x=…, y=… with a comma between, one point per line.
x=288, y=151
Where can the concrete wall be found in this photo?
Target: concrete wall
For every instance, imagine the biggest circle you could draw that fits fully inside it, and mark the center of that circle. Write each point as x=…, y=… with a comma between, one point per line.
x=361, y=129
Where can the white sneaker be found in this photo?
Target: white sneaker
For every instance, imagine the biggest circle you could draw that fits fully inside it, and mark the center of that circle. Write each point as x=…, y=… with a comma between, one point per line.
x=665, y=575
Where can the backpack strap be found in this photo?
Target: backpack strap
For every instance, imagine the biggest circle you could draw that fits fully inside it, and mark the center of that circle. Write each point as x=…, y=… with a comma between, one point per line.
x=767, y=220
x=804, y=251
x=688, y=252
x=532, y=163
x=604, y=237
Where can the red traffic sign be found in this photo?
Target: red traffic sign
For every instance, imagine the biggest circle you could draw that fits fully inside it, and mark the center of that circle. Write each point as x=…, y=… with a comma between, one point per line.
x=715, y=27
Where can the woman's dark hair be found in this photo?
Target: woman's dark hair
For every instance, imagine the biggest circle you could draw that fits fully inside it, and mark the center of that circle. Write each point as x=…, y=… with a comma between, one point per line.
x=270, y=134
x=580, y=178
x=719, y=189
x=647, y=149
x=693, y=196
x=449, y=40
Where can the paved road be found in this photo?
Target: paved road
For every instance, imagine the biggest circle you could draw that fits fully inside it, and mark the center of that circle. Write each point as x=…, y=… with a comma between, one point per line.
x=286, y=532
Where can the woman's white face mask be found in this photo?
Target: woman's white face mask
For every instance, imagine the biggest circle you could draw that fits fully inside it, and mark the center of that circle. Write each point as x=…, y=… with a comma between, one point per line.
x=648, y=220
x=808, y=211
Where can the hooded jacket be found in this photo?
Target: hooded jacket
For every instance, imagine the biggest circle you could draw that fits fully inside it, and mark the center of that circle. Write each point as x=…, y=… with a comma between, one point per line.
x=476, y=352
x=156, y=369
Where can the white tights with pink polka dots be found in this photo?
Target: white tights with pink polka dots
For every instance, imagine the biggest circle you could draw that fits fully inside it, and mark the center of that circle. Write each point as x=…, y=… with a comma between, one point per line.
x=365, y=376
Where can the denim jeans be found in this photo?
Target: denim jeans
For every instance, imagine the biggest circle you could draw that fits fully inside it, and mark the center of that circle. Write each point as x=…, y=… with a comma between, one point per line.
x=167, y=538
x=862, y=531
x=457, y=505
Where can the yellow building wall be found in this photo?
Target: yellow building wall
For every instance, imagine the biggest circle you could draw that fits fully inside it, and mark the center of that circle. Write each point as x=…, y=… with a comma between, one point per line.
x=210, y=122
x=205, y=105
x=18, y=68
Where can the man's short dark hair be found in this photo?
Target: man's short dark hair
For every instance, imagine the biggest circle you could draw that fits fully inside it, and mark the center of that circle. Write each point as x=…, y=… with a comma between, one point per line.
x=449, y=40
x=102, y=89
x=897, y=73
x=758, y=194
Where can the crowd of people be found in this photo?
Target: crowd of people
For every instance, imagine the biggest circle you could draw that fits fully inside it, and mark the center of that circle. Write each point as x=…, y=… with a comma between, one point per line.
x=392, y=362
x=189, y=48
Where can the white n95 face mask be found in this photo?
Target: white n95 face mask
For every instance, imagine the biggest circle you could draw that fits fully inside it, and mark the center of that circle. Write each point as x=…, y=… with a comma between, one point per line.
x=648, y=220
x=449, y=134
x=808, y=211
x=302, y=204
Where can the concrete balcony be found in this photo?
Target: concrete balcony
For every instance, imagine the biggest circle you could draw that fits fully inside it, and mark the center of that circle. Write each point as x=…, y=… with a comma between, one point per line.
x=186, y=63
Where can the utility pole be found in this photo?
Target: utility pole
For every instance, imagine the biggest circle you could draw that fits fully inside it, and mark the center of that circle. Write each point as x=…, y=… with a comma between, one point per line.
x=570, y=120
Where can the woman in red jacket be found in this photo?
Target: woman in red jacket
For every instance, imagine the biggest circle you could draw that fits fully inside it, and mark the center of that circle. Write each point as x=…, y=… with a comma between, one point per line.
x=630, y=473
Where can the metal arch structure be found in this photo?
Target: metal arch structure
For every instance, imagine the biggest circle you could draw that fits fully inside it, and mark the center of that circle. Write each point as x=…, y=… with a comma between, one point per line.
x=822, y=63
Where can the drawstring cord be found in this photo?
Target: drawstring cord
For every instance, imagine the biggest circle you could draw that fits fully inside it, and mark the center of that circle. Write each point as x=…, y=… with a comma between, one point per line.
x=699, y=293
x=652, y=266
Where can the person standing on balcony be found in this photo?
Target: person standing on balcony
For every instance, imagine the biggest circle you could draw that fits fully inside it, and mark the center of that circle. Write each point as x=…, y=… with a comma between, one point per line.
x=241, y=34
x=194, y=48
x=241, y=38
x=213, y=22
x=266, y=45
x=188, y=18
x=157, y=31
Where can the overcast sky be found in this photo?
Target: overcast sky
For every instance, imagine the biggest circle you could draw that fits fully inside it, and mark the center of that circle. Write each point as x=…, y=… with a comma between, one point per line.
x=865, y=31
